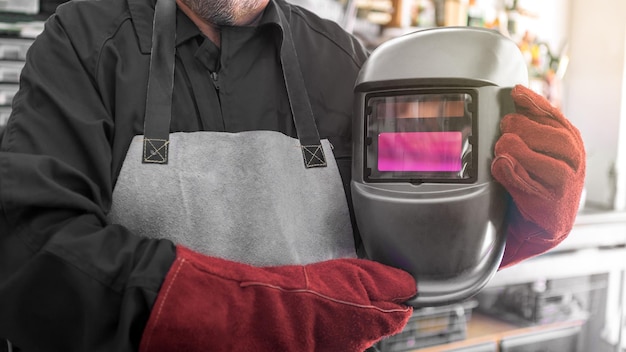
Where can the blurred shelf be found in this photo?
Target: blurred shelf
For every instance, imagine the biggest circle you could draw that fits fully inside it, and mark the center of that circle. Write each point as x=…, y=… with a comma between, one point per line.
x=485, y=333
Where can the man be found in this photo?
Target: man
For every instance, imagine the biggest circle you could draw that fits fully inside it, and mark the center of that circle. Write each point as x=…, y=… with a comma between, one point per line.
x=101, y=252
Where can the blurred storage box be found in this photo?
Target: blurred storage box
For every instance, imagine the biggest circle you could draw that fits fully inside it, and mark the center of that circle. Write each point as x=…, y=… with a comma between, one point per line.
x=431, y=326
x=10, y=71
x=14, y=48
x=5, y=112
x=540, y=302
x=561, y=339
x=30, y=7
x=7, y=92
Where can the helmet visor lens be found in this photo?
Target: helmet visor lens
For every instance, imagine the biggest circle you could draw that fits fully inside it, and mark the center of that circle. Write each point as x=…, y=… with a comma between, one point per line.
x=420, y=137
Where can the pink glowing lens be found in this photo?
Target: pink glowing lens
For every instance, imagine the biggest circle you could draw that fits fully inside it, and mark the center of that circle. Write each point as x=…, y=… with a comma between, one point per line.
x=420, y=151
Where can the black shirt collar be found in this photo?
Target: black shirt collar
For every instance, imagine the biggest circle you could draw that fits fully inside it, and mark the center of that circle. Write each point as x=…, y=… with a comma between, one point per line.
x=142, y=12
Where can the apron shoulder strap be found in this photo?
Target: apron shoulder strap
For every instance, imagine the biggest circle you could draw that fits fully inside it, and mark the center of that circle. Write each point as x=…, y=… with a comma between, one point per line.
x=161, y=83
x=158, y=110
x=299, y=100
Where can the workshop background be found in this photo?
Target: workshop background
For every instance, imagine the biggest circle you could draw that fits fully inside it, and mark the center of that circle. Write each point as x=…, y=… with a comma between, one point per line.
x=569, y=299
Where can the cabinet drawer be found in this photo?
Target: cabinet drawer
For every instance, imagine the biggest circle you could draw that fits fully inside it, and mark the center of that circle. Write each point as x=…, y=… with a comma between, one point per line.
x=556, y=339
x=30, y=7
x=10, y=71
x=481, y=347
x=5, y=112
x=14, y=48
x=7, y=92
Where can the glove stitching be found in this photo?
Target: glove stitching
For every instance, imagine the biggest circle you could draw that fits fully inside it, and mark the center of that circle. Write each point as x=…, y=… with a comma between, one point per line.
x=563, y=121
x=530, y=100
x=402, y=299
x=209, y=271
x=517, y=178
x=306, y=277
x=167, y=292
x=529, y=240
x=395, y=299
x=534, y=234
x=555, y=239
x=525, y=242
x=323, y=296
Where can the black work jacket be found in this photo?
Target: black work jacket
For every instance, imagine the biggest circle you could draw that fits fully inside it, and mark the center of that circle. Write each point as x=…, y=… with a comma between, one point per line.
x=69, y=281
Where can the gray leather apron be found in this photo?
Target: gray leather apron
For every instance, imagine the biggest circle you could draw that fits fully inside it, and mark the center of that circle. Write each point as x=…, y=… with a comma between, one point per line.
x=248, y=196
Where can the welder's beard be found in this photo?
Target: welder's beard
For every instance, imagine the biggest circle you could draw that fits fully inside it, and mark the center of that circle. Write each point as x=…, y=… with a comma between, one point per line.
x=221, y=12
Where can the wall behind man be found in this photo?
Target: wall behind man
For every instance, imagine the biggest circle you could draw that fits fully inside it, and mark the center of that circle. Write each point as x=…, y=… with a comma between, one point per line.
x=595, y=95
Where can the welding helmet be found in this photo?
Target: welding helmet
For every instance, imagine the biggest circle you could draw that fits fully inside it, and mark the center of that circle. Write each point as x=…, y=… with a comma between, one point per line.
x=427, y=111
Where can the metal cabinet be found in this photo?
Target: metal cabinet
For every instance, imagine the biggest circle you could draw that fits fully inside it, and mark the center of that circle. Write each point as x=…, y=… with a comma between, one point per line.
x=13, y=51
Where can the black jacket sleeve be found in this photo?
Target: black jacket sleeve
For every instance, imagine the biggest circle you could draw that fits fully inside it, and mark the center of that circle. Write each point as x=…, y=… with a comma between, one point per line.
x=69, y=281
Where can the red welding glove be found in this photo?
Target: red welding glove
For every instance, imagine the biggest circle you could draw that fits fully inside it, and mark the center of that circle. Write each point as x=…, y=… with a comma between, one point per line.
x=212, y=304
x=540, y=160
